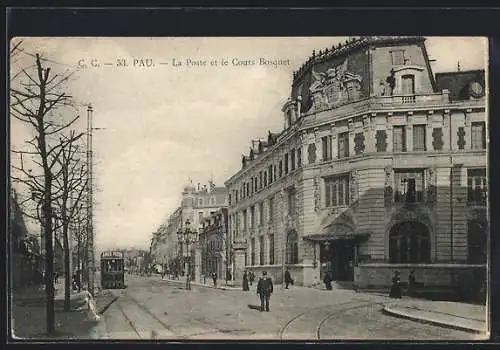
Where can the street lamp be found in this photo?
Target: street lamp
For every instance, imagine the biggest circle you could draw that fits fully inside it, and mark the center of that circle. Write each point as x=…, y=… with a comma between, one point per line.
x=187, y=237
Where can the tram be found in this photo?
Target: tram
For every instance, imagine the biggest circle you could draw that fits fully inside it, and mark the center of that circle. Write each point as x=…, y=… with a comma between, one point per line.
x=112, y=270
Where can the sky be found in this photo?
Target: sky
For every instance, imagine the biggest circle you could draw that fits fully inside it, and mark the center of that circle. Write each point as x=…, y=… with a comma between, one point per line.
x=161, y=123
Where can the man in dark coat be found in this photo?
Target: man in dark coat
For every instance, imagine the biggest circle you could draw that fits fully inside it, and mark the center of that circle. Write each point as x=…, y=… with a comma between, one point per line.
x=396, y=286
x=288, y=278
x=264, y=289
x=214, y=278
x=245, y=282
x=251, y=277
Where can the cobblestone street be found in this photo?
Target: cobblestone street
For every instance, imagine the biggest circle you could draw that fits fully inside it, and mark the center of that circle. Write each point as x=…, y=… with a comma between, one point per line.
x=154, y=308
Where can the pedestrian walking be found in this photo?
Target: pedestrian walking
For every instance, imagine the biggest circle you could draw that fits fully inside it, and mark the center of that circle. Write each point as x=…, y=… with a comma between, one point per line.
x=56, y=277
x=188, y=281
x=251, y=277
x=396, y=286
x=214, y=278
x=412, y=283
x=327, y=279
x=288, y=278
x=264, y=289
x=246, y=288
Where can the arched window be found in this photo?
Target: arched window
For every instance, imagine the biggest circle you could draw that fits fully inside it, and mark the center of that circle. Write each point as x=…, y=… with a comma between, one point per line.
x=292, y=248
x=409, y=243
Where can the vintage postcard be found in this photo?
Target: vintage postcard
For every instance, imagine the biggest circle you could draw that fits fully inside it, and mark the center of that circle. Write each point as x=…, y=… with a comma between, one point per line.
x=298, y=188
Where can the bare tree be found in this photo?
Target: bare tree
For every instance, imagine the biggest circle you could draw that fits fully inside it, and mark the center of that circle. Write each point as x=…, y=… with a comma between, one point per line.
x=36, y=100
x=70, y=187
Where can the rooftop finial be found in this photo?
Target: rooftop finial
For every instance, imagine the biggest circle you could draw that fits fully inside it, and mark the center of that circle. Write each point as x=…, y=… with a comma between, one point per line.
x=458, y=66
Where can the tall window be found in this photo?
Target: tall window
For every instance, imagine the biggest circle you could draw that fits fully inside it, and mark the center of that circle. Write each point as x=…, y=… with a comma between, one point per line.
x=261, y=213
x=299, y=157
x=344, y=145
x=265, y=178
x=437, y=135
x=252, y=248
x=271, y=249
x=477, y=188
x=261, y=250
x=419, y=138
x=478, y=133
x=248, y=188
x=399, y=139
x=398, y=57
x=270, y=172
x=291, y=201
x=409, y=243
x=409, y=186
x=252, y=216
x=337, y=191
x=326, y=147
x=281, y=168
x=286, y=163
x=200, y=217
x=381, y=144
x=275, y=172
x=245, y=219
x=271, y=209
x=292, y=248
x=408, y=84
x=260, y=180
x=292, y=159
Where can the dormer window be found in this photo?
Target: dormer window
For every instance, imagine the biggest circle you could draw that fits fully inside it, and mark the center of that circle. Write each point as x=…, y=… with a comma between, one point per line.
x=398, y=57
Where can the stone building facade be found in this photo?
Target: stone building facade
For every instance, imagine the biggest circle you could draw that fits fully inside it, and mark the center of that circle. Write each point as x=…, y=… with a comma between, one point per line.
x=381, y=166
x=197, y=203
x=214, y=244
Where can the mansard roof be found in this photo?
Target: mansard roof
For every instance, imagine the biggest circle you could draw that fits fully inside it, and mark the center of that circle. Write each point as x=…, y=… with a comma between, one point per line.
x=458, y=83
x=349, y=46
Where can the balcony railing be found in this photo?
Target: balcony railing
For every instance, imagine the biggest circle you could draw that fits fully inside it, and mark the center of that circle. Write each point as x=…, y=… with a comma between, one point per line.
x=440, y=97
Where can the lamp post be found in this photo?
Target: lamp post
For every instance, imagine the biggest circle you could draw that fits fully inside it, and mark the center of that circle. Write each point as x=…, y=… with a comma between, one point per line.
x=187, y=237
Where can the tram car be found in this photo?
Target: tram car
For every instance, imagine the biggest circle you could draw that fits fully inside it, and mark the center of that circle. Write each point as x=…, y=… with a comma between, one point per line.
x=112, y=270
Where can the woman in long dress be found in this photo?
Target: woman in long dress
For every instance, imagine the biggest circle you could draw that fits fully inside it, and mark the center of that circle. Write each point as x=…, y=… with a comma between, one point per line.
x=245, y=282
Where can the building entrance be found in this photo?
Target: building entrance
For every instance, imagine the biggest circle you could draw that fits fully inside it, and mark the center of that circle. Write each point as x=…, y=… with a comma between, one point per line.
x=337, y=258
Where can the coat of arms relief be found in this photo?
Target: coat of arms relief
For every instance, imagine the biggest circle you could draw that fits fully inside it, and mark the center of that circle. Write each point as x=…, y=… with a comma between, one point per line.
x=334, y=87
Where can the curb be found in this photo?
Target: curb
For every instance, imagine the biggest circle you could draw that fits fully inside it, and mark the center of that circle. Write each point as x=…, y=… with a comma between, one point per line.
x=107, y=305
x=391, y=312
x=201, y=285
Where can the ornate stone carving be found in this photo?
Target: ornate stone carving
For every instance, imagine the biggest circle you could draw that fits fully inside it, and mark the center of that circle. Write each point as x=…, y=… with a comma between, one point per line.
x=388, y=192
x=311, y=153
x=317, y=194
x=431, y=186
x=359, y=143
x=335, y=87
x=354, y=186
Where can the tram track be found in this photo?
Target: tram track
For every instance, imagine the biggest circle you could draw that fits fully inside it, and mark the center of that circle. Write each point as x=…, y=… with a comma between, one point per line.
x=338, y=309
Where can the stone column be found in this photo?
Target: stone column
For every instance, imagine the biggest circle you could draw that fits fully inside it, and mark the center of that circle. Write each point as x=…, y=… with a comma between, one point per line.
x=239, y=249
x=389, y=132
x=335, y=144
x=409, y=133
x=468, y=130
x=351, y=133
x=428, y=133
x=197, y=263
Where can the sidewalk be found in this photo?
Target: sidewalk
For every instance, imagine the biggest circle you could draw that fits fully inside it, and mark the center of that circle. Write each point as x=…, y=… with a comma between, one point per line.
x=209, y=284
x=460, y=316
x=29, y=315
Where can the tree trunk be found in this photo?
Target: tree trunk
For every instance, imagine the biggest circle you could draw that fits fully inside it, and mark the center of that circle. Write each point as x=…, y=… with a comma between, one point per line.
x=67, y=272
x=49, y=268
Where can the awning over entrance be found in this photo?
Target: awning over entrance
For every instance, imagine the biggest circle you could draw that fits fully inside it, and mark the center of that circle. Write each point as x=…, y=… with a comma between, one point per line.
x=337, y=232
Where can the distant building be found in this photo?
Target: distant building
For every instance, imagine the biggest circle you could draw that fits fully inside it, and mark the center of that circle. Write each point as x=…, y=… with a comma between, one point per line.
x=381, y=166
x=215, y=245
x=26, y=259
x=197, y=203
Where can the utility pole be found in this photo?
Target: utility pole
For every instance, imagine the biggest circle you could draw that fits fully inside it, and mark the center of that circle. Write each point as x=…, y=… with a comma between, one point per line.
x=90, y=219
